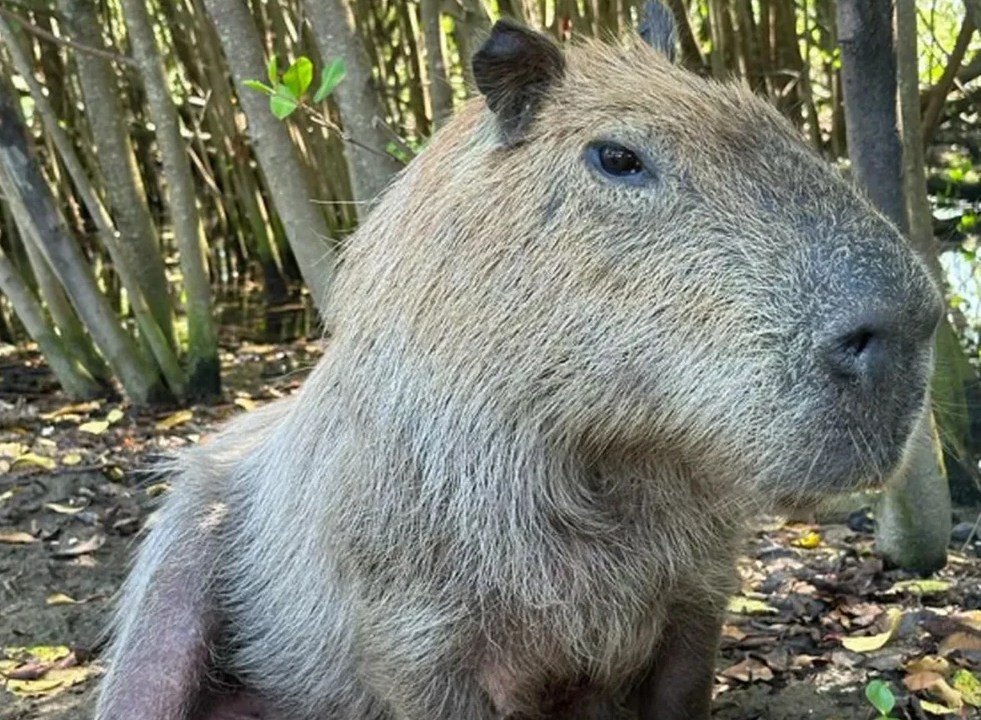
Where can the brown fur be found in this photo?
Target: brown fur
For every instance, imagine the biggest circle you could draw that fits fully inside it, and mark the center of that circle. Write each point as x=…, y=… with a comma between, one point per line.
x=515, y=484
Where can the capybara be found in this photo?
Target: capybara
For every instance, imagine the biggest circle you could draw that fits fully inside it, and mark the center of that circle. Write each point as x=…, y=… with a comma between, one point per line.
x=612, y=312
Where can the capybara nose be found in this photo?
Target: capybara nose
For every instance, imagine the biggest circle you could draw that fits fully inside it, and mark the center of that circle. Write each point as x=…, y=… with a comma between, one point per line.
x=872, y=349
x=860, y=351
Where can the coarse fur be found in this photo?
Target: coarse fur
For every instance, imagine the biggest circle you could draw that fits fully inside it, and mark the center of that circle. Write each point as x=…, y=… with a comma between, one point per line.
x=515, y=484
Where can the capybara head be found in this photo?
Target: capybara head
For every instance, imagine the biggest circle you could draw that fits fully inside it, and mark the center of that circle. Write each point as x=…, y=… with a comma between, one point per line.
x=629, y=265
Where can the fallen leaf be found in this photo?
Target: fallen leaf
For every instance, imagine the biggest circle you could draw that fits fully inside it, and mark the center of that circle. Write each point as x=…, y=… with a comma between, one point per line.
x=40, y=653
x=60, y=599
x=920, y=587
x=938, y=709
x=6, y=495
x=63, y=509
x=16, y=537
x=748, y=606
x=12, y=449
x=114, y=416
x=33, y=459
x=71, y=459
x=732, y=632
x=928, y=663
x=245, y=403
x=965, y=640
x=808, y=540
x=82, y=548
x=76, y=409
x=56, y=679
x=749, y=670
x=94, y=427
x=172, y=421
x=950, y=697
x=972, y=619
x=968, y=686
x=868, y=643
x=921, y=680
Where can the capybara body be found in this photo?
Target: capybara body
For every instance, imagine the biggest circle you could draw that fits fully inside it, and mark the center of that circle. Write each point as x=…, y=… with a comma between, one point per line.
x=611, y=312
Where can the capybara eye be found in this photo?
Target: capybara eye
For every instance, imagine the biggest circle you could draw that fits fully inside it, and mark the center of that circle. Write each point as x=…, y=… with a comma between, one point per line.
x=617, y=162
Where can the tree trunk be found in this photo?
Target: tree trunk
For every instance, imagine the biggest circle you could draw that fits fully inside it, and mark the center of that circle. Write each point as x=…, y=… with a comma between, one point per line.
x=139, y=249
x=71, y=374
x=370, y=166
x=286, y=176
x=203, y=367
x=30, y=198
x=913, y=518
x=440, y=92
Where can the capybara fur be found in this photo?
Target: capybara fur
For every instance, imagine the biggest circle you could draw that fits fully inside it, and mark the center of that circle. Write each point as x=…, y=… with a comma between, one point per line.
x=611, y=312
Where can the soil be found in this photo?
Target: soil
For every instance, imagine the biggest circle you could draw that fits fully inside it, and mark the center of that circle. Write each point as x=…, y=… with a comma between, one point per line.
x=68, y=532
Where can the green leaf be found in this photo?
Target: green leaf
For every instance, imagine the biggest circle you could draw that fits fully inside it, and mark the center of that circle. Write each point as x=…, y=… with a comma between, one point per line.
x=283, y=102
x=256, y=85
x=299, y=76
x=272, y=71
x=330, y=78
x=880, y=696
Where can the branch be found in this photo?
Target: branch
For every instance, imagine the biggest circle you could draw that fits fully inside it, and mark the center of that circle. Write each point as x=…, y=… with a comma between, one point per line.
x=41, y=33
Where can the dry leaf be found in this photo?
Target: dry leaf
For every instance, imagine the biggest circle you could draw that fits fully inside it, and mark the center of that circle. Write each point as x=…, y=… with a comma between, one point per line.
x=937, y=708
x=928, y=663
x=748, y=606
x=950, y=697
x=968, y=686
x=172, y=421
x=921, y=587
x=875, y=642
x=114, y=416
x=71, y=459
x=63, y=509
x=76, y=409
x=921, y=680
x=56, y=679
x=33, y=459
x=16, y=537
x=94, y=427
x=40, y=653
x=12, y=449
x=83, y=548
x=60, y=599
x=808, y=540
x=6, y=495
x=965, y=640
x=245, y=403
x=732, y=632
x=749, y=670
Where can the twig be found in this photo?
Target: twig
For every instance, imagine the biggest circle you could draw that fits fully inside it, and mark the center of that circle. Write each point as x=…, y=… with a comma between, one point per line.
x=81, y=47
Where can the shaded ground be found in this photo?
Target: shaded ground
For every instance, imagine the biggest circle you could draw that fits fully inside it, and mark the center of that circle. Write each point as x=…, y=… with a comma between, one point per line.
x=817, y=619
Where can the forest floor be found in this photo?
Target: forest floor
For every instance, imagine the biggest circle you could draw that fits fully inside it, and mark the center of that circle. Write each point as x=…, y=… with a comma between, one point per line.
x=818, y=617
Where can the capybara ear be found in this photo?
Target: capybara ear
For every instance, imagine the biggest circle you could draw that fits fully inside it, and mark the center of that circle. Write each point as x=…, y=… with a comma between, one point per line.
x=514, y=69
x=658, y=29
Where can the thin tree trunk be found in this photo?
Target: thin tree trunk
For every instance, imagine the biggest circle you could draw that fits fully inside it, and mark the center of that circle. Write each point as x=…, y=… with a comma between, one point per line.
x=73, y=377
x=440, y=92
x=202, y=363
x=369, y=165
x=938, y=93
x=31, y=201
x=125, y=256
x=140, y=251
x=913, y=515
x=286, y=176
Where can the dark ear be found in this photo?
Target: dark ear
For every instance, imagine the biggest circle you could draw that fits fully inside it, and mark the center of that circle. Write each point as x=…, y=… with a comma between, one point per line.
x=658, y=29
x=514, y=69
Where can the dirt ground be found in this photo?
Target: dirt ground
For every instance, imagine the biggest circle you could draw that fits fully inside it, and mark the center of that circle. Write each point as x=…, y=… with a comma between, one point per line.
x=817, y=619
